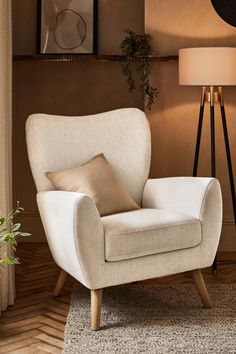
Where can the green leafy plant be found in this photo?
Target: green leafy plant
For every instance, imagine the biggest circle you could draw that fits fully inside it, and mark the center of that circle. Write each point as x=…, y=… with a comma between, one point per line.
x=137, y=49
x=9, y=232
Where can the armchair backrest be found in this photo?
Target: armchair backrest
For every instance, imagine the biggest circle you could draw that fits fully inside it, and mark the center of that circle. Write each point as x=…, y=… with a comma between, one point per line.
x=57, y=143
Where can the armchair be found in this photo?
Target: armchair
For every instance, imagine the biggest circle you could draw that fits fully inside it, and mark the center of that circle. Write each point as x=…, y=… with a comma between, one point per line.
x=176, y=230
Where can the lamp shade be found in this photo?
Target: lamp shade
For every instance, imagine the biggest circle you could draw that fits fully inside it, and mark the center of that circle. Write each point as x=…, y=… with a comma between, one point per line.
x=211, y=66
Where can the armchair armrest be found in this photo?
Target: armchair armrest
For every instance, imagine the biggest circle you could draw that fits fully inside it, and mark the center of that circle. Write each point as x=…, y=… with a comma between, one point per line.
x=183, y=194
x=74, y=232
x=196, y=196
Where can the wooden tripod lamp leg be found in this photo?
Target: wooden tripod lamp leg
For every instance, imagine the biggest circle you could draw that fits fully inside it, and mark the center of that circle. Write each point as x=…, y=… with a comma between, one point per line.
x=60, y=282
x=201, y=287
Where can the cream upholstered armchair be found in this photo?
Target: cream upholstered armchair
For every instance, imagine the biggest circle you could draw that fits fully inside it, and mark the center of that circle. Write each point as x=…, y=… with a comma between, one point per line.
x=176, y=230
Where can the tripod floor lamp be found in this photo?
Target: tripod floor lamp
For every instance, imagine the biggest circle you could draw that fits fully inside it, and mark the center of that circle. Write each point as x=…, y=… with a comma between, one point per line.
x=211, y=68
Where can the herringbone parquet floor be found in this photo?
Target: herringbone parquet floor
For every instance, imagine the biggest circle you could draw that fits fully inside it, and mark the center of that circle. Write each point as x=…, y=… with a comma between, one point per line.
x=35, y=324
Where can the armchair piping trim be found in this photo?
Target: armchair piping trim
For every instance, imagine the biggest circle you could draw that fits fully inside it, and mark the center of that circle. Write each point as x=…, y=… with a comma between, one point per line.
x=76, y=245
x=204, y=198
x=158, y=227
x=149, y=252
x=144, y=185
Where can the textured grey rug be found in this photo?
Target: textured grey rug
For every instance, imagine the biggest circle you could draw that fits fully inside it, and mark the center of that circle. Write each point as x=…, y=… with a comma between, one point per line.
x=149, y=318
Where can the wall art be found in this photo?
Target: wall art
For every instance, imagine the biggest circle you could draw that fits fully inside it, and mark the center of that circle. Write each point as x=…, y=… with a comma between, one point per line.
x=67, y=26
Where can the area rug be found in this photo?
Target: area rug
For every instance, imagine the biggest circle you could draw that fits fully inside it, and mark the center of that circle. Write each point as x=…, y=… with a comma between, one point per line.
x=149, y=318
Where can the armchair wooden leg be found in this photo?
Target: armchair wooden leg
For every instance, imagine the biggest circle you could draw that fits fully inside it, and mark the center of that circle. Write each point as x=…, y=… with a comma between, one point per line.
x=96, y=303
x=201, y=287
x=60, y=282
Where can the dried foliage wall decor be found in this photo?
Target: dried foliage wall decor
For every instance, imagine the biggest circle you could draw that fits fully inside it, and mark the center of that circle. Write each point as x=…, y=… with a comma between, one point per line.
x=137, y=51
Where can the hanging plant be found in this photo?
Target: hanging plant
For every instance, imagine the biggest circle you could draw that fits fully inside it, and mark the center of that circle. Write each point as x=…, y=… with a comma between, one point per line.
x=9, y=232
x=137, y=49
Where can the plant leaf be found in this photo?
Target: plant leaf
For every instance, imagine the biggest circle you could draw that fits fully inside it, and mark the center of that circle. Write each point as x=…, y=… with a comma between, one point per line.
x=25, y=234
x=10, y=260
x=6, y=238
x=16, y=233
x=4, y=232
x=15, y=227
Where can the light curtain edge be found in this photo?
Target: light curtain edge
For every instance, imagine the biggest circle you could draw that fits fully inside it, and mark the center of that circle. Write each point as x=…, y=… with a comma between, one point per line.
x=7, y=286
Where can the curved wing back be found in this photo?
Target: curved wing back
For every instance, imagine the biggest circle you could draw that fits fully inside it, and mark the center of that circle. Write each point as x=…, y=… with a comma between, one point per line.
x=56, y=143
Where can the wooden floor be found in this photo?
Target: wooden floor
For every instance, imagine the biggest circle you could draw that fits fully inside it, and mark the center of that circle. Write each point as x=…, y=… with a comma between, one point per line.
x=35, y=324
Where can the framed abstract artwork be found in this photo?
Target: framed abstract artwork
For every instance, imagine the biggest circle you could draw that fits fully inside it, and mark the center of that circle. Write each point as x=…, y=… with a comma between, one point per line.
x=67, y=26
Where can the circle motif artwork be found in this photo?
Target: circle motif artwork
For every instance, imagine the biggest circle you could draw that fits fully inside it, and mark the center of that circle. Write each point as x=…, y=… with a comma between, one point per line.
x=226, y=9
x=70, y=30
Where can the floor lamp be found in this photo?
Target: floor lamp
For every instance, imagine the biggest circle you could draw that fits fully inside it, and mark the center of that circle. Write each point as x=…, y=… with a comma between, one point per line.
x=211, y=68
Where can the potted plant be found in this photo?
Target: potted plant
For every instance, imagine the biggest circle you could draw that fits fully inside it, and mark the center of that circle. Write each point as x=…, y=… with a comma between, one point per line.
x=9, y=232
x=137, y=49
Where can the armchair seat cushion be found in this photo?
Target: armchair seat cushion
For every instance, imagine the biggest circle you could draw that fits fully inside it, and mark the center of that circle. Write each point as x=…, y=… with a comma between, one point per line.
x=148, y=231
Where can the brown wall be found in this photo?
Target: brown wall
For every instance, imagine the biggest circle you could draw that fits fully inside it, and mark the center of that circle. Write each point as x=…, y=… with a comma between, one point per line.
x=84, y=88
x=67, y=88
x=176, y=24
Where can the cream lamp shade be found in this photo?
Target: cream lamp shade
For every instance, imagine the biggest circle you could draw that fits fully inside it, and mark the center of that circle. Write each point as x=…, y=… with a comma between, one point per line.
x=211, y=66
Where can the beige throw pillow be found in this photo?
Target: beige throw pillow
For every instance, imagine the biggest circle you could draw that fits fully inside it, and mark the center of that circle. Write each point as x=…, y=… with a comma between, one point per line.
x=96, y=179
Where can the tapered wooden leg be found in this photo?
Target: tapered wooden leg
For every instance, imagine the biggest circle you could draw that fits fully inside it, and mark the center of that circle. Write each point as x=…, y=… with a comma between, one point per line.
x=201, y=287
x=96, y=303
x=60, y=282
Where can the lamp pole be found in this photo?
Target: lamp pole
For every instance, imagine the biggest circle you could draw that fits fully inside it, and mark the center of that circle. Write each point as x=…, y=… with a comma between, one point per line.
x=212, y=97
